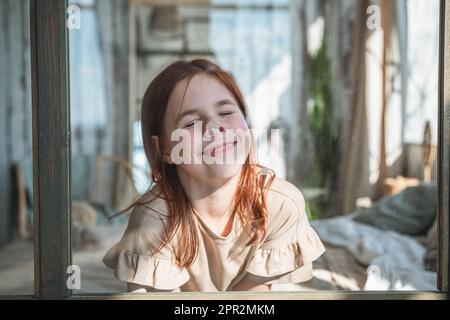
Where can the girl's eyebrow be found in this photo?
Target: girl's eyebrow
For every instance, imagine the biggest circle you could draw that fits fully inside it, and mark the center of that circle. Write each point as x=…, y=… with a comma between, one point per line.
x=219, y=103
x=224, y=102
x=185, y=113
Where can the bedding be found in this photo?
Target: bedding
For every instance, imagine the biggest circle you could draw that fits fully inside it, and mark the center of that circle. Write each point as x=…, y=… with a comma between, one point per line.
x=411, y=212
x=392, y=261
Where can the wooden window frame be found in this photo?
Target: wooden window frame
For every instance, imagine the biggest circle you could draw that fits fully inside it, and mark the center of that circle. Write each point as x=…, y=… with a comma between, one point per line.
x=51, y=171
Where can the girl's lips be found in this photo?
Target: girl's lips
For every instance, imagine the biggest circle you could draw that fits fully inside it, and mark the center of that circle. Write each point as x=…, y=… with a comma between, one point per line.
x=221, y=148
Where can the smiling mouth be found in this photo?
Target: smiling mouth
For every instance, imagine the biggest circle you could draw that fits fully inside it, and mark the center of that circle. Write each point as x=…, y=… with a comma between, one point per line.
x=222, y=148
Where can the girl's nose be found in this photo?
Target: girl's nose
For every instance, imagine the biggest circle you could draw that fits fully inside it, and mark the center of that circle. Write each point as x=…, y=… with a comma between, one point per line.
x=212, y=129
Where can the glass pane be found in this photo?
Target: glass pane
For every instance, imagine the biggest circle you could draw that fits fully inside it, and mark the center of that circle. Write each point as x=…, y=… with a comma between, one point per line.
x=344, y=106
x=371, y=118
x=16, y=167
x=96, y=158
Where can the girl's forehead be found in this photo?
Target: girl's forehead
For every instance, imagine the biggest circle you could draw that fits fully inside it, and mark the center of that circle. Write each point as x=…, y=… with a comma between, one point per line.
x=200, y=87
x=200, y=90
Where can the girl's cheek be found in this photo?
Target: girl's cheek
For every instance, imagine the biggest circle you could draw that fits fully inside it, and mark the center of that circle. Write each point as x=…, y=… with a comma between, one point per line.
x=243, y=134
x=239, y=123
x=196, y=144
x=191, y=147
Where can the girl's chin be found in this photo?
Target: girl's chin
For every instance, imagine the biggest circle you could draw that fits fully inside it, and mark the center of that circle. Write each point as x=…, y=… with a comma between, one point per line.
x=222, y=170
x=214, y=171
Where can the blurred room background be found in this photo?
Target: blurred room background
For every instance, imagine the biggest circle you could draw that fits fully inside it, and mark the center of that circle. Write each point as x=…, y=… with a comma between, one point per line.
x=351, y=86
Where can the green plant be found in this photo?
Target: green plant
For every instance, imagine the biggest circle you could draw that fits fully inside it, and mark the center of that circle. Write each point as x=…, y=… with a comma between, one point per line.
x=321, y=119
x=311, y=210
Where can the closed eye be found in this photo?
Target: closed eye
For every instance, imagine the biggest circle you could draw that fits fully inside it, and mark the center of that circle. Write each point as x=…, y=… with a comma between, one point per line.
x=226, y=113
x=190, y=124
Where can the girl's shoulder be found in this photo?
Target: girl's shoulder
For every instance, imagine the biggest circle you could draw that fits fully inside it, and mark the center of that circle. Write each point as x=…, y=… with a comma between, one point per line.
x=142, y=256
x=284, y=199
x=282, y=190
x=148, y=218
x=152, y=203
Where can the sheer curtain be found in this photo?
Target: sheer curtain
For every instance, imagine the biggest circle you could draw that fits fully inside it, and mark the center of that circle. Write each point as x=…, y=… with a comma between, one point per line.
x=367, y=94
x=258, y=54
x=87, y=91
x=113, y=26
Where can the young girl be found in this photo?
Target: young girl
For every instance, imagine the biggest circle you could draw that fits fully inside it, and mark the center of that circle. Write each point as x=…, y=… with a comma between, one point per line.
x=209, y=225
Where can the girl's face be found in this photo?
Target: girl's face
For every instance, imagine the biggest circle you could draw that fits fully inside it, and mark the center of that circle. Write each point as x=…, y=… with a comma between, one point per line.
x=206, y=132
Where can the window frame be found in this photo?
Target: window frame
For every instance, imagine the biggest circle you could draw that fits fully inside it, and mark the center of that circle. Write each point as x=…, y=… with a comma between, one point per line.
x=52, y=163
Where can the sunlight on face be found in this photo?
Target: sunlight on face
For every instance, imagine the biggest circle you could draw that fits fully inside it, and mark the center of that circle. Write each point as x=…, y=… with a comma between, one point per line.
x=206, y=128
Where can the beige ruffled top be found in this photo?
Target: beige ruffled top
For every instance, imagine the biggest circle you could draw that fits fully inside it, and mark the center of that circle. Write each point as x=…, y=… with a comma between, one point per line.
x=285, y=256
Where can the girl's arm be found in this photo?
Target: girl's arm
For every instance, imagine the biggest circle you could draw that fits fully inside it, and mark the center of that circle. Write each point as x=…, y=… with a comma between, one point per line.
x=252, y=283
x=137, y=288
x=246, y=284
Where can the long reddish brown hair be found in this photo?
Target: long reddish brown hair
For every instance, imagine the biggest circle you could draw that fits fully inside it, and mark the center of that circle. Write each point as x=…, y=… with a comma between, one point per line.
x=249, y=203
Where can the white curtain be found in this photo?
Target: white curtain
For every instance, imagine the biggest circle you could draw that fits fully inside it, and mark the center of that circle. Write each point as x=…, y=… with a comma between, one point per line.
x=113, y=26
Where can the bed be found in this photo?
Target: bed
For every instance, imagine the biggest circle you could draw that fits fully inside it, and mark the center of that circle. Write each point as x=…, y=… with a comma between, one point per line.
x=379, y=248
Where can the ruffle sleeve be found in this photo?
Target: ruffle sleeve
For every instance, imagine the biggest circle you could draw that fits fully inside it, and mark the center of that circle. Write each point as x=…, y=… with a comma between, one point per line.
x=132, y=259
x=144, y=269
x=290, y=247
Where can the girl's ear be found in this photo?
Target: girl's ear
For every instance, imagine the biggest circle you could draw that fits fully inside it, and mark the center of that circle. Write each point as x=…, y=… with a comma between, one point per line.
x=157, y=146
